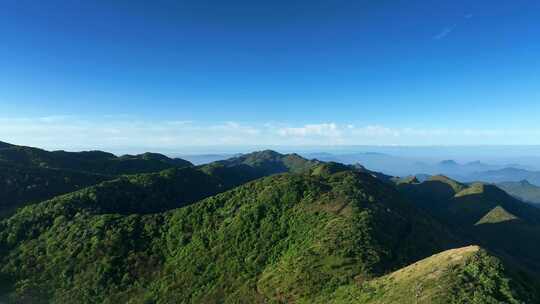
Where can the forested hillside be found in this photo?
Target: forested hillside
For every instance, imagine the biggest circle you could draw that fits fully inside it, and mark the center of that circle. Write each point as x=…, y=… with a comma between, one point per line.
x=29, y=175
x=21, y=185
x=285, y=238
x=262, y=228
x=89, y=161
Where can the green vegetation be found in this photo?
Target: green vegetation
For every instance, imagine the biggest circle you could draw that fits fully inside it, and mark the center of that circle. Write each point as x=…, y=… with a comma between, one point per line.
x=286, y=237
x=267, y=162
x=143, y=193
x=29, y=175
x=21, y=185
x=90, y=161
x=467, y=275
x=258, y=228
x=483, y=214
x=497, y=215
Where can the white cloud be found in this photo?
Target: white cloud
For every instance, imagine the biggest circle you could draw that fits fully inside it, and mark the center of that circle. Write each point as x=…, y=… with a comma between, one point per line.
x=324, y=129
x=375, y=131
x=135, y=135
x=234, y=127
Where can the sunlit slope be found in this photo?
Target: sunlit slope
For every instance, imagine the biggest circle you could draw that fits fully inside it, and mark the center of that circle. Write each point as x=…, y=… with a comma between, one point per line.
x=463, y=275
x=290, y=237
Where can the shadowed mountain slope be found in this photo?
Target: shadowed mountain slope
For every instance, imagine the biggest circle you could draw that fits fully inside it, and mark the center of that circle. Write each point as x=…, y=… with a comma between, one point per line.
x=483, y=213
x=20, y=185
x=89, y=161
x=29, y=175
x=283, y=238
x=175, y=187
x=227, y=232
x=4, y=145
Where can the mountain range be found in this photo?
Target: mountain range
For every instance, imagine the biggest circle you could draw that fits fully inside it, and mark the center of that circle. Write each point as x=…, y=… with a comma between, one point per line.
x=471, y=171
x=522, y=190
x=262, y=227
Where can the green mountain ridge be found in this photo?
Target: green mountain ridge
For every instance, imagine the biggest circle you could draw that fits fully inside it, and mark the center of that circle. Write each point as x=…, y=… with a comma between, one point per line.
x=20, y=185
x=176, y=187
x=286, y=238
x=262, y=228
x=89, y=161
x=514, y=230
x=29, y=175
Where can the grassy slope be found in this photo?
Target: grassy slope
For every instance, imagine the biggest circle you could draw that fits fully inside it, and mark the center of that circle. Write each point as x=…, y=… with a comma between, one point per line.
x=465, y=275
x=282, y=238
x=497, y=215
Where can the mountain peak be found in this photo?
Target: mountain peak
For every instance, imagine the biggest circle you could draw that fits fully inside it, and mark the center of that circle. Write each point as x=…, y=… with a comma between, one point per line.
x=263, y=155
x=266, y=153
x=476, y=162
x=524, y=182
x=270, y=162
x=456, y=186
x=329, y=168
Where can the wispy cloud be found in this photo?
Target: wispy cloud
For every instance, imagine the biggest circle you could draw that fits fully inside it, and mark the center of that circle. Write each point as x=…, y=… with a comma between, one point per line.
x=135, y=135
x=324, y=129
x=444, y=32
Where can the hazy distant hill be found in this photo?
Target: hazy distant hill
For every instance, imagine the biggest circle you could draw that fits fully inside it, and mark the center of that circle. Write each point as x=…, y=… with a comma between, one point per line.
x=523, y=190
x=403, y=166
x=506, y=175
x=389, y=164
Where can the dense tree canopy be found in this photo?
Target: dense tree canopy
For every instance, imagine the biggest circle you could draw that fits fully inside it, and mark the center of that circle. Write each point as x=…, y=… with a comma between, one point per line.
x=259, y=228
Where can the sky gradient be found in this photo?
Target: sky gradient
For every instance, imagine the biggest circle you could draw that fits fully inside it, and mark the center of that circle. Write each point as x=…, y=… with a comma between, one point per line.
x=171, y=74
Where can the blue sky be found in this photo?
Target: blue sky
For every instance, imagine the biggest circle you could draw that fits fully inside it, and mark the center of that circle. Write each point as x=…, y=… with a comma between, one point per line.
x=171, y=74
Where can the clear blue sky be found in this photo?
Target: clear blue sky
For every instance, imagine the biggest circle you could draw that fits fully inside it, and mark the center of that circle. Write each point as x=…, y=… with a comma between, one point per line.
x=77, y=74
